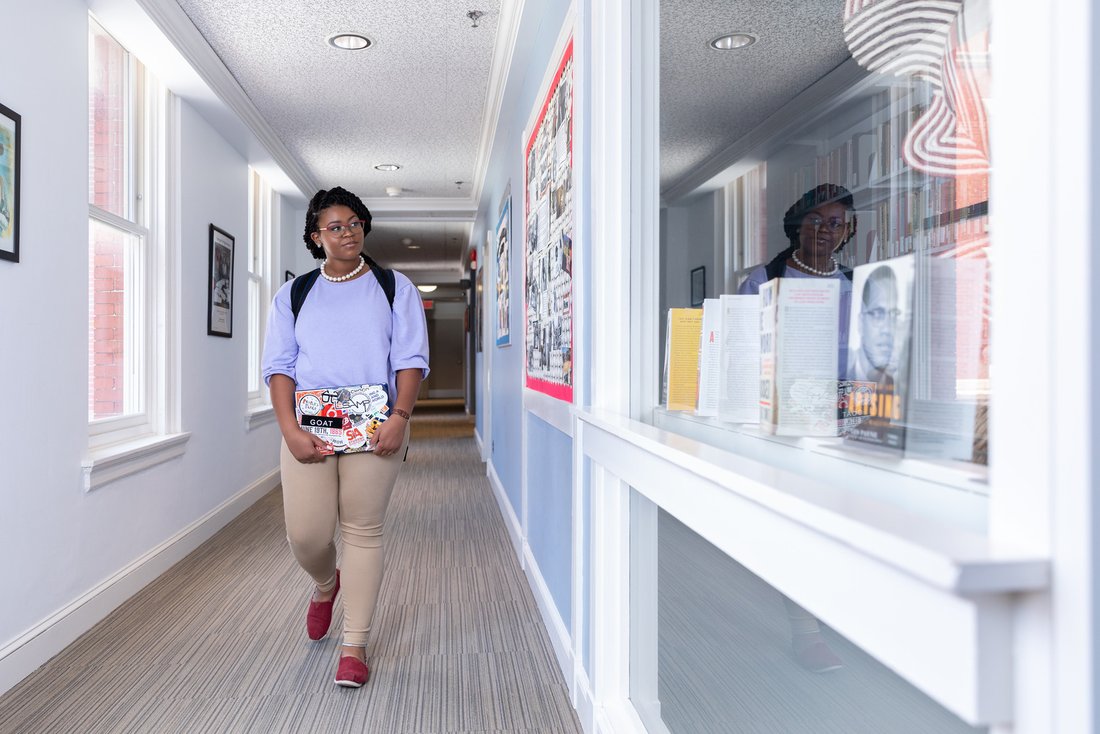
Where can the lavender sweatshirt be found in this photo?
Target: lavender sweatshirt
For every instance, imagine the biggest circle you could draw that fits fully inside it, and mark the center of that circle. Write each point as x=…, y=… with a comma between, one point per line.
x=346, y=334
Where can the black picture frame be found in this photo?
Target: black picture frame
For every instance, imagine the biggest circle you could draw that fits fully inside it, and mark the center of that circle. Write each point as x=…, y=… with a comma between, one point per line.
x=219, y=303
x=11, y=134
x=698, y=286
x=289, y=277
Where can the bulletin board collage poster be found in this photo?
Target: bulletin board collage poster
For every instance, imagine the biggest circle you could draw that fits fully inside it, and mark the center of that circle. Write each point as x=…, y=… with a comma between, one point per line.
x=549, y=221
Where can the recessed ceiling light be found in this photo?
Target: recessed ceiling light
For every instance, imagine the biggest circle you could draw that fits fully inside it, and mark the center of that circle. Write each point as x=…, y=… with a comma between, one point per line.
x=349, y=41
x=426, y=288
x=388, y=167
x=414, y=247
x=406, y=241
x=733, y=41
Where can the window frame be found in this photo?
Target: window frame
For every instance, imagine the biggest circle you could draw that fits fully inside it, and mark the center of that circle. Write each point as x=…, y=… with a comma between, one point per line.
x=1022, y=614
x=121, y=445
x=263, y=265
x=141, y=171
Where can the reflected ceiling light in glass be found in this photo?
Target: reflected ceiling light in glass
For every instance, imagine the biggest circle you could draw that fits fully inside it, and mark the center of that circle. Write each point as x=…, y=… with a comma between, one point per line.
x=426, y=288
x=733, y=41
x=349, y=41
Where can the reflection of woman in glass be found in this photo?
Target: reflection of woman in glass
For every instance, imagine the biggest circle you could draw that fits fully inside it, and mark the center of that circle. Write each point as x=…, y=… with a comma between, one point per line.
x=818, y=225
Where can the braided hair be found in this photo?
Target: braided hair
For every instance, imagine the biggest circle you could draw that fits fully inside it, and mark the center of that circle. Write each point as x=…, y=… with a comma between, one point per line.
x=826, y=193
x=336, y=196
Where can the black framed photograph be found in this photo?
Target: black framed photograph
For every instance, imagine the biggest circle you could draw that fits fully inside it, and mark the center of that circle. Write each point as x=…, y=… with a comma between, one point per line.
x=219, y=313
x=10, y=133
x=289, y=277
x=698, y=286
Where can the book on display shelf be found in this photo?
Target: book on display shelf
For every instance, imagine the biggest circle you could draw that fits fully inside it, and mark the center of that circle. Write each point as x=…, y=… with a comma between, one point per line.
x=798, y=356
x=873, y=400
x=710, y=348
x=739, y=359
x=682, y=338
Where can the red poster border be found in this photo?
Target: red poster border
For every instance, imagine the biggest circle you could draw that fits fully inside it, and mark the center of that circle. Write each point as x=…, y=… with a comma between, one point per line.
x=553, y=389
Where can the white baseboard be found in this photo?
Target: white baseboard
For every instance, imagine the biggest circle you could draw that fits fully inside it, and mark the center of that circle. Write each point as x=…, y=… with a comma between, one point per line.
x=583, y=699
x=555, y=626
x=26, y=653
x=480, y=444
x=511, y=521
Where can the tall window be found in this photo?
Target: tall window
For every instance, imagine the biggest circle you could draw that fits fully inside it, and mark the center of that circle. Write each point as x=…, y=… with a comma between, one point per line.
x=261, y=278
x=123, y=107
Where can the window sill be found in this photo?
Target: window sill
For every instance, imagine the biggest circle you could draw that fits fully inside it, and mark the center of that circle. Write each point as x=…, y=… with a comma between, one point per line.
x=954, y=493
x=259, y=416
x=104, y=465
x=855, y=561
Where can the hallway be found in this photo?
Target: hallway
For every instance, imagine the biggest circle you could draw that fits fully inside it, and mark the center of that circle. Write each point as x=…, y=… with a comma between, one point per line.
x=218, y=644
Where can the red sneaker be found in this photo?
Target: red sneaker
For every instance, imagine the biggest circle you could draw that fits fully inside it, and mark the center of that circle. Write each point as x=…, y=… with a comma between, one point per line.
x=352, y=672
x=319, y=616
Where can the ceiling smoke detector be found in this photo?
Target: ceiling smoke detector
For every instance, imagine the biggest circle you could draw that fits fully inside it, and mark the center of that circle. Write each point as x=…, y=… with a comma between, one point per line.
x=393, y=191
x=349, y=41
x=474, y=16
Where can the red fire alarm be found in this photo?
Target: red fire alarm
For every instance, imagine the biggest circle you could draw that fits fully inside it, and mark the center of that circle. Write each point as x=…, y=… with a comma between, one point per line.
x=473, y=259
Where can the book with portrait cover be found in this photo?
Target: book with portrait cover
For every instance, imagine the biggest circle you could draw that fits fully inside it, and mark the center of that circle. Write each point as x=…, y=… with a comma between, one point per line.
x=880, y=326
x=798, y=362
x=345, y=417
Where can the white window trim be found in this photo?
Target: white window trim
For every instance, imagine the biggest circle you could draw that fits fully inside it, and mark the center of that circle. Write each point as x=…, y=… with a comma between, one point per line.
x=264, y=205
x=118, y=448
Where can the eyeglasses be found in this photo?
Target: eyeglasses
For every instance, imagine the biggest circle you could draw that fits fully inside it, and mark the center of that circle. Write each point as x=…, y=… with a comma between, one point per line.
x=339, y=229
x=880, y=315
x=834, y=223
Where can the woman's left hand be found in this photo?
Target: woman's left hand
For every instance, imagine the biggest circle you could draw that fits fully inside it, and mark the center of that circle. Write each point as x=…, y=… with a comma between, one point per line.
x=389, y=436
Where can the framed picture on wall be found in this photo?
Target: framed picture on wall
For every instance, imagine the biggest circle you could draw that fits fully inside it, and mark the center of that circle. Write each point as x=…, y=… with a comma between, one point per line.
x=10, y=134
x=219, y=312
x=698, y=286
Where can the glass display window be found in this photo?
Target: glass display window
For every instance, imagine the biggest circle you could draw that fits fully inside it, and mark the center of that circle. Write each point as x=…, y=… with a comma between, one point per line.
x=837, y=183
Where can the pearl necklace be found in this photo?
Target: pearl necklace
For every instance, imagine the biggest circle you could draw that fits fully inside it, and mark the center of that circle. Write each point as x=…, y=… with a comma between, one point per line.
x=339, y=278
x=807, y=268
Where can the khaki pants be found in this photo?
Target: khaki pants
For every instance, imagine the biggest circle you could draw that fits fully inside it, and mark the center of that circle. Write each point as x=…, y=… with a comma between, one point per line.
x=354, y=491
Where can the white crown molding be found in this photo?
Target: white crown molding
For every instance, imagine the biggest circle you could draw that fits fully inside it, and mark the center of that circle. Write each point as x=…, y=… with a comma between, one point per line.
x=182, y=33
x=503, y=50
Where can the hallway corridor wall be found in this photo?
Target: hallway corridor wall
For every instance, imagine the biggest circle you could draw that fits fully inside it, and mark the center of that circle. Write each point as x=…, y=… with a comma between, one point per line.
x=535, y=491
x=67, y=557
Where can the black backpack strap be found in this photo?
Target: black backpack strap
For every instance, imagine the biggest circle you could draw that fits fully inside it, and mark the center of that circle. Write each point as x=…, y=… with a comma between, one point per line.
x=775, y=268
x=385, y=278
x=300, y=288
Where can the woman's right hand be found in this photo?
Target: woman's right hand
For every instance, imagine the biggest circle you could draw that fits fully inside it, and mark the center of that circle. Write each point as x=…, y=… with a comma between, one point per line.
x=307, y=448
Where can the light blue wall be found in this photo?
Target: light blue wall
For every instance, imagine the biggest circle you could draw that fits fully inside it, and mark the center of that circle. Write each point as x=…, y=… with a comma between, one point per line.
x=549, y=473
x=550, y=509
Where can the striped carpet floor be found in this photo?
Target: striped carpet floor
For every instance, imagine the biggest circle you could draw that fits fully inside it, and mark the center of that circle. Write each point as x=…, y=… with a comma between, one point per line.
x=217, y=644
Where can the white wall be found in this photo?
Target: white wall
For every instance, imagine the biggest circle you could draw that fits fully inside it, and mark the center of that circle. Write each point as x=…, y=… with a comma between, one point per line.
x=59, y=545
x=44, y=520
